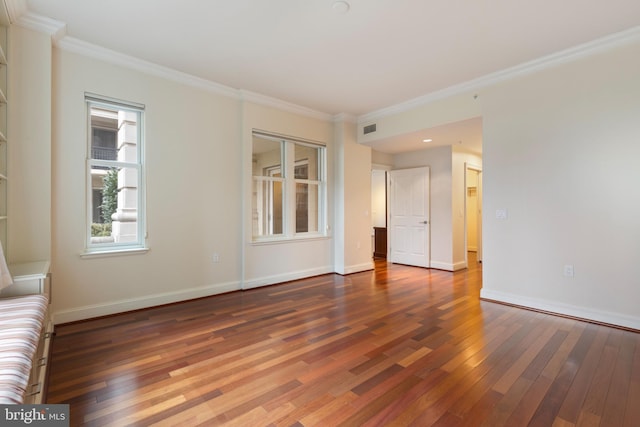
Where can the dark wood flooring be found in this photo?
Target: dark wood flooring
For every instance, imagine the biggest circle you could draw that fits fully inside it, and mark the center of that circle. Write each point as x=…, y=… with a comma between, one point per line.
x=392, y=347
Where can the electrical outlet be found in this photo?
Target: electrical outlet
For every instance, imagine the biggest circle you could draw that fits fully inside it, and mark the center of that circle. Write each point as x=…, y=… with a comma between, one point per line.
x=216, y=257
x=568, y=270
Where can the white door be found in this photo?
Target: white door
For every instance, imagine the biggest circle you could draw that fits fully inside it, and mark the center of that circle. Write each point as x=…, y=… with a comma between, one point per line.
x=409, y=235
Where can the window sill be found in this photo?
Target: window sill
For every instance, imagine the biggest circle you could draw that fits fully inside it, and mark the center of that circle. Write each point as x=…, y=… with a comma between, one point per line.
x=114, y=252
x=281, y=240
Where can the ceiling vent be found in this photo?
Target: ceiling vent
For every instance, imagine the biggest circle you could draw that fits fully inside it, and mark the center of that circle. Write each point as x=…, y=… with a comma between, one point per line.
x=369, y=128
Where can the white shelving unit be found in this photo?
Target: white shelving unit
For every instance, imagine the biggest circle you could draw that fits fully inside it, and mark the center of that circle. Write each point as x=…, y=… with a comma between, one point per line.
x=3, y=135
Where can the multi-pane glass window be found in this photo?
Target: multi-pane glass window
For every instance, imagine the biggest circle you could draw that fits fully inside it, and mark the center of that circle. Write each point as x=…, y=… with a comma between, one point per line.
x=289, y=187
x=115, y=175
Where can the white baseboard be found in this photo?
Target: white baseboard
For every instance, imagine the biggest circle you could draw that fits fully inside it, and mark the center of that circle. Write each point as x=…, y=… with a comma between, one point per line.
x=585, y=313
x=460, y=265
x=357, y=268
x=441, y=265
x=447, y=266
x=97, y=310
x=286, y=277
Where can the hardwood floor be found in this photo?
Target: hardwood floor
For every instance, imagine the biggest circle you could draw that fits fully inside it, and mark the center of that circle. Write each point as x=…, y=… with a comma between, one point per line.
x=395, y=346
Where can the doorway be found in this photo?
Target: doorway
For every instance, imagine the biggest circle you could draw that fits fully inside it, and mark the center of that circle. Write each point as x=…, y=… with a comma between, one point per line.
x=379, y=212
x=409, y=221
x=473, y=214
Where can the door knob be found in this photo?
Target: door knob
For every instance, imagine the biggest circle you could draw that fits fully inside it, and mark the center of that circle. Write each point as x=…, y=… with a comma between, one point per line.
x=424, y=222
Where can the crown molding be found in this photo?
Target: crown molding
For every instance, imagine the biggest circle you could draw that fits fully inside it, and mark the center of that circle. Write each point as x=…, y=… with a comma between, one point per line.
x=268, y=101
x=586, y=49
x=14, y=9
x=74, y=45
x=344, y=117
x=42, y=24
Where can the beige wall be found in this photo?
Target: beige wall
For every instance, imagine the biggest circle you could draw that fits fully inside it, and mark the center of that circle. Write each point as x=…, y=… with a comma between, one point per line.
x=353, y=251
x=29, y=146
x=198, y=168
x=194, y=178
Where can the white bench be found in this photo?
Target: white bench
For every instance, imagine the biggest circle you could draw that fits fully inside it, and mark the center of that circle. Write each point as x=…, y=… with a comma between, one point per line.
x=23, y=348
x=25, y=332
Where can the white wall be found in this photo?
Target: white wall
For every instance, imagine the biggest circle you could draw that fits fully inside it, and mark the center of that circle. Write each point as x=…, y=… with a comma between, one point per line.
x=29, y=146
x=194, y=203
x=440, y=168
x=561, y=151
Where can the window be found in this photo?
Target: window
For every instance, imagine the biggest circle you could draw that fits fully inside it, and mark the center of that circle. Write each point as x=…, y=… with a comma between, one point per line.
x=289, y=188
x=115, y=196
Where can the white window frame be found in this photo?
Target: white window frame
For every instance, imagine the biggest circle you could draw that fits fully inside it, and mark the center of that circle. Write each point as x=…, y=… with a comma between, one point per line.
x=139, y=245
x=289, y=189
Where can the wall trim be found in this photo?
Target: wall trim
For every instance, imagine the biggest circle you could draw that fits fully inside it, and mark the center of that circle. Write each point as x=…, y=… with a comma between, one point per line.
x=268, y=101
x=286, y=277
x=460, y=265
x=438, y=265
x=344, y=117
x=42, y=24
x=548, y=61
x=350, y=269
x=447, y=266
x=15, y=9
x=99, y=310
x=580, y=313
x=74, y=45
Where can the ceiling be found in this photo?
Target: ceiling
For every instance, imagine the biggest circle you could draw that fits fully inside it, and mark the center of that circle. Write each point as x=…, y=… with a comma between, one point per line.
x=465, y=134
x=377, y=54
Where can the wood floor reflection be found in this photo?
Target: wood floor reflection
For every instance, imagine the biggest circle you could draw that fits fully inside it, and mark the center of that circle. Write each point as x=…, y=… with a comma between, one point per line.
x=394, y=346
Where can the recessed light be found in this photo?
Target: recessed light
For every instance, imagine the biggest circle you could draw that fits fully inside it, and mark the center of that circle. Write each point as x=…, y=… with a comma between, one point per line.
x=427, y=140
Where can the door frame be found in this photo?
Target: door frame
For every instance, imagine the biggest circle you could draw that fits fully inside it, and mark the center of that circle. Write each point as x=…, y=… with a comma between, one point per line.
x=391, y=196
x=478, y=169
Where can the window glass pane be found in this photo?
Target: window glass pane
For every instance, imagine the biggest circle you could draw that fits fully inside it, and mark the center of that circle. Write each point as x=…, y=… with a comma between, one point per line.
x=307, y=208
x=267, y=157
x=103, y=145
x=104, y=132
x=307, y=164
x=128, y=146
x=267, y=208
x=114, y=206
